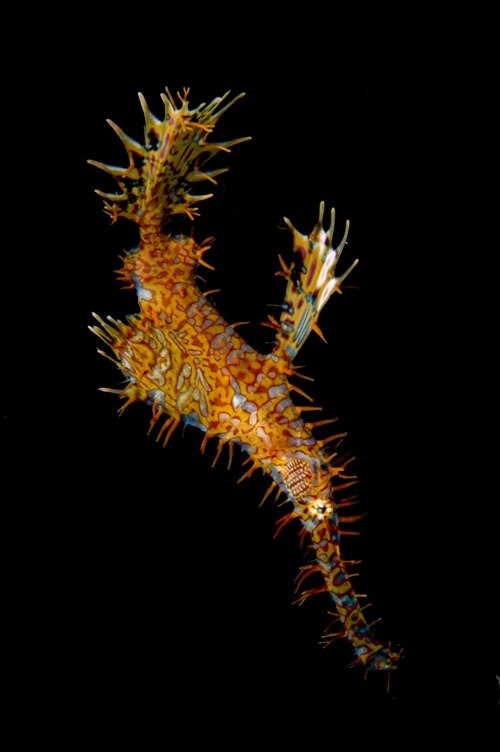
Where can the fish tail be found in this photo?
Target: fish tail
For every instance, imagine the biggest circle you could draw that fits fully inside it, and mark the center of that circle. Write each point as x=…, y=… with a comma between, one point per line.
x=325, y=538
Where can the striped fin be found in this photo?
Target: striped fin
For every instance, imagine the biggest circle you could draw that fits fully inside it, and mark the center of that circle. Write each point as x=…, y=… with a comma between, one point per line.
x=311, y=282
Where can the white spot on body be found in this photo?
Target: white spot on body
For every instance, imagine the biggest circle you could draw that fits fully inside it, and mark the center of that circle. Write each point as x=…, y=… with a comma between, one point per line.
x=200, y=377
x=203, y=404
x=174, y=337
x=283, y=405
x=142, y=293
x=277, y=391
x=237, y=401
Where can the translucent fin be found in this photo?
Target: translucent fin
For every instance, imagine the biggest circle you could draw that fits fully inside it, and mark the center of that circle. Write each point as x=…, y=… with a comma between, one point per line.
x=311, y=282
x=156, y=182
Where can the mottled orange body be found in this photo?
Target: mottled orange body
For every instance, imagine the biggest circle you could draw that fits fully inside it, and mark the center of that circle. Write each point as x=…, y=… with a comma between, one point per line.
x=180, y=356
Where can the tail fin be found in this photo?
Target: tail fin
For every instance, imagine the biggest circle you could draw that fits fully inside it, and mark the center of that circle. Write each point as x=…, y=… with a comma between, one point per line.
x=311, y=282
x=154, y=185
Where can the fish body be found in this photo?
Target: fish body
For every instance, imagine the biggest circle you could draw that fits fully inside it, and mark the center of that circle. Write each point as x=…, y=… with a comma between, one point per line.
x=181, y=357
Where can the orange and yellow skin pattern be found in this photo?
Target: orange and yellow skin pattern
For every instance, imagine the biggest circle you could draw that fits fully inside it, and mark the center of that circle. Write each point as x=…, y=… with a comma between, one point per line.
x=182, y=358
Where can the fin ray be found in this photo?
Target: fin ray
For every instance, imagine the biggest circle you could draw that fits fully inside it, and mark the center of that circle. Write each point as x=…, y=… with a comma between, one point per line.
x=311, y=282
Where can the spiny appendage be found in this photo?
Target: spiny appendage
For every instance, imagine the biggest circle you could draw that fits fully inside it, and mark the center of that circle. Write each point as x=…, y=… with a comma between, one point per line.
x=135, y=359
x=311, y=282
x=312, y=496
x=370, y=653
x=154, y=183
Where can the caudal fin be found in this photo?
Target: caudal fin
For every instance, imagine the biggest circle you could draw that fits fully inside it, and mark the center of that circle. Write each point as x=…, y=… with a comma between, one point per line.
x=156, y=182
x=311, y=282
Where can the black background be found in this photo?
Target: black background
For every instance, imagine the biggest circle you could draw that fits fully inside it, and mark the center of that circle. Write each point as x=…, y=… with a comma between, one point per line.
x=141, y=571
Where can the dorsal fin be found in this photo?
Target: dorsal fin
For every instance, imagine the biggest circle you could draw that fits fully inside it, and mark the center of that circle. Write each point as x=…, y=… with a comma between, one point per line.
x=156, y=182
